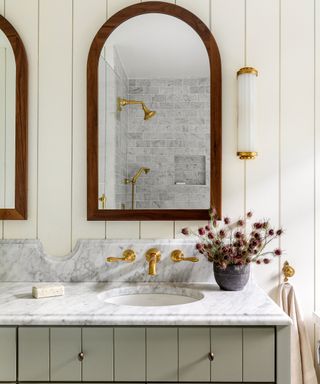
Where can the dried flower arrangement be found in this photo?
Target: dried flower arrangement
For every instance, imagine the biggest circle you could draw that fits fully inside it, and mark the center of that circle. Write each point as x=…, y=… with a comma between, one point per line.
x=227, y=243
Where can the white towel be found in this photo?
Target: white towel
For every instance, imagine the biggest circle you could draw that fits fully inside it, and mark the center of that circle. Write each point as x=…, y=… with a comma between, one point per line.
x=302, y=368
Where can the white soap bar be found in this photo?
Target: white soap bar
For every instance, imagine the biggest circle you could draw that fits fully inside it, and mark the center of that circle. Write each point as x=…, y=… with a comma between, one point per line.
x=47, y=291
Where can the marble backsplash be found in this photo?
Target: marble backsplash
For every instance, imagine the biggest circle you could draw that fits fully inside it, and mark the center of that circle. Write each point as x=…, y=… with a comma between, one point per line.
x=25, y=260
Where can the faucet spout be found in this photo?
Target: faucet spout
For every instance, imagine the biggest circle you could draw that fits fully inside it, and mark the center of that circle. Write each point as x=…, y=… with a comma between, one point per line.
x=153, y=256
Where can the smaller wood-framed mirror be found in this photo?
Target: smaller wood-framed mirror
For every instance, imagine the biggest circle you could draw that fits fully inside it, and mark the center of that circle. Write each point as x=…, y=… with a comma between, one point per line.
x=154, y=116
x=13, y=124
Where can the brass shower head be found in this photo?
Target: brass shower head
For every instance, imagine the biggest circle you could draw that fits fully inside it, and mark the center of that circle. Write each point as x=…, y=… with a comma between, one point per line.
x=147, y=112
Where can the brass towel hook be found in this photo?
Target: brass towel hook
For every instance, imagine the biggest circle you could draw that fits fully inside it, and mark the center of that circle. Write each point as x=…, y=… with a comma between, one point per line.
x=288, y=271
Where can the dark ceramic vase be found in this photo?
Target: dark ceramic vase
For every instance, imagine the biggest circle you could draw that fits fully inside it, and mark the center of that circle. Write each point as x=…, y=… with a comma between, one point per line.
x=233, y=278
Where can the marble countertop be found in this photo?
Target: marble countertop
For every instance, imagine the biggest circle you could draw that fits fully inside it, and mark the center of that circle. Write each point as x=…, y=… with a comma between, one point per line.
x=82, y=305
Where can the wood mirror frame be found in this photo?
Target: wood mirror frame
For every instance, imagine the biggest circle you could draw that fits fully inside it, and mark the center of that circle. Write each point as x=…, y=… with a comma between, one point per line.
x=19, y=212
x=93, y=212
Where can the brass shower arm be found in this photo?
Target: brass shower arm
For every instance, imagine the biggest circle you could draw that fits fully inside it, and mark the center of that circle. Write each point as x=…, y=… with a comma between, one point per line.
x=147, y=112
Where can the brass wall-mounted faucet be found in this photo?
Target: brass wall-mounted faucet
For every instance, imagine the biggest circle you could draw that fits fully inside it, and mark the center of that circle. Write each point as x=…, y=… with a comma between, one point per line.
x=153, y=256
x=128, y=256
x=177, y=255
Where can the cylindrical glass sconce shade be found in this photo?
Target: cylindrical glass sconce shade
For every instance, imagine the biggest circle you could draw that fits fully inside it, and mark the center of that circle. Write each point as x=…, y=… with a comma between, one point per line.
x=246, y=112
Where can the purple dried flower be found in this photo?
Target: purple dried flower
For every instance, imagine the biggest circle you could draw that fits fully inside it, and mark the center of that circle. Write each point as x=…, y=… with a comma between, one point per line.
x=279, y=232
x=238, y=235
x=201, y=231
x=249, y=214
x=226, y=220
x=258, y=262
x=222, y=233
x=240, y=223
x=271, y=232
x=185, y=231
x=266, y=261
x=207, y=227
x=210, y=235
x=277, y=252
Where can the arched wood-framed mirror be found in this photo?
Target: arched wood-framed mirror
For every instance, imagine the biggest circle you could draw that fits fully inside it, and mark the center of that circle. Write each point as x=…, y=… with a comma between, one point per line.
x=168, y=126
x=13, y=124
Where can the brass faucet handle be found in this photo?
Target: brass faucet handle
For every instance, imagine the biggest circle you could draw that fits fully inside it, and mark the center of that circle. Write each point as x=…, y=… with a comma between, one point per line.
x=177, y=255
x=128, y=256
x=153, y=253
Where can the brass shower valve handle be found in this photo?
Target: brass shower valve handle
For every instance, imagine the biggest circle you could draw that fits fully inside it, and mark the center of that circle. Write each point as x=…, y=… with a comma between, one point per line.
x=177, y=255
x=128, y=256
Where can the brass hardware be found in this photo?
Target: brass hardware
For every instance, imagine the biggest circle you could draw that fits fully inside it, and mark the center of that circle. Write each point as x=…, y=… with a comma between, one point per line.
x=288, y=271
x=133, y=181
x=128, y=256
x=210, y=356
x=81, y=356
x=247, y=70
x=103, y=200
x=153, y=256
x=247, y=155
x=123, y=102
x=177, y=255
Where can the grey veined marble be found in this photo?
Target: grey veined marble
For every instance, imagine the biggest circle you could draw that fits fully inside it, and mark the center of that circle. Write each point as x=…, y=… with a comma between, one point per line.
x=82, y=305
x=25, y=260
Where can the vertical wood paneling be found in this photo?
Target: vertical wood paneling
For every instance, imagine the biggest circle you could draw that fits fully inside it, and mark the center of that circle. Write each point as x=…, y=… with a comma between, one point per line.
x=157, y=229
x=55, y=117
x=123, y=229
x=88, y=18
x=297, y=143
x=262, y=174
x=24, y=16
x=200, y=8
x=115, y=5
x=228, y=28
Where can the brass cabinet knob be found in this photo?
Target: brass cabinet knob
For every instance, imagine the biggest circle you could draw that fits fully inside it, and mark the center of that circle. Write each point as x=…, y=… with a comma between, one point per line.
x=211, y=356
x=81, y=356
x=177, y=255
x=128, y=256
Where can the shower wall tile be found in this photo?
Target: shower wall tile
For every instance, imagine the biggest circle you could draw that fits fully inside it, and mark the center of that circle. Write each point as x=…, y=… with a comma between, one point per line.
x=181, y=124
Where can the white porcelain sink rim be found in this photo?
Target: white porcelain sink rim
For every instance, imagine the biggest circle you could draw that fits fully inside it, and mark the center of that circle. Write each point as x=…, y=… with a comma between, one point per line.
x=158, y=292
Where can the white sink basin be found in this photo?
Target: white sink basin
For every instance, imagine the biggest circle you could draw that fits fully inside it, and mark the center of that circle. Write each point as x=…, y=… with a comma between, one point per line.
x=147, y=296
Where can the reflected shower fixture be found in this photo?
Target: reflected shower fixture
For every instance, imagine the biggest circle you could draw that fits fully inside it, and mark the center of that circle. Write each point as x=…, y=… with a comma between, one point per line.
x=133, y=182
x=147, y=112
x=246, y=113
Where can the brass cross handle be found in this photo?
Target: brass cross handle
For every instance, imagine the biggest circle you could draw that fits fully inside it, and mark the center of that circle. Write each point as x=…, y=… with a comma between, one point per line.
x=177, y=255
x=128, y=256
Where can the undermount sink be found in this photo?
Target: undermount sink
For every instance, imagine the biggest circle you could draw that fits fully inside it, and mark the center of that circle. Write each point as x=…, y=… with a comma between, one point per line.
x=147, y=296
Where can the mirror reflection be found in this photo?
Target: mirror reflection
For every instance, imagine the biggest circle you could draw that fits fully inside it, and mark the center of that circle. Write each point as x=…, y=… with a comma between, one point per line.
x=7, y=123
x=154, y=116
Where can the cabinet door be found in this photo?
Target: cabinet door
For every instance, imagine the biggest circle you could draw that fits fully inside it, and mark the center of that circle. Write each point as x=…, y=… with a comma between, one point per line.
x=97, y=345
x=226, y=346
x=7, y=354
x=194, y=347
x=33, y=354
x=162, y=354
x=258, y=354
x=129, y=354
x=65, y=346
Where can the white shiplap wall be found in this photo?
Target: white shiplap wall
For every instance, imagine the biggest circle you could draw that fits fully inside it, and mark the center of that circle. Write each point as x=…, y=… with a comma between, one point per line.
x=279, y=37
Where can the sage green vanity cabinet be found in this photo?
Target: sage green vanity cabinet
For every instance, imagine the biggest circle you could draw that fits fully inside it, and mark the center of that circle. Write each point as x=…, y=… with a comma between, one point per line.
x=142, y=354
x=194, y=346
x=65, y=346
x=97, y=347
x=226, y=346
x=7, y=354
x=258, y=354
x=162, y=346
x=129, y=354
x=33, y=351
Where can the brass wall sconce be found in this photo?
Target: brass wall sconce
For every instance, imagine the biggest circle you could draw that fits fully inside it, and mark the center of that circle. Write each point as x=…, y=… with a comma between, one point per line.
x=123, y=102
x=246, y=113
